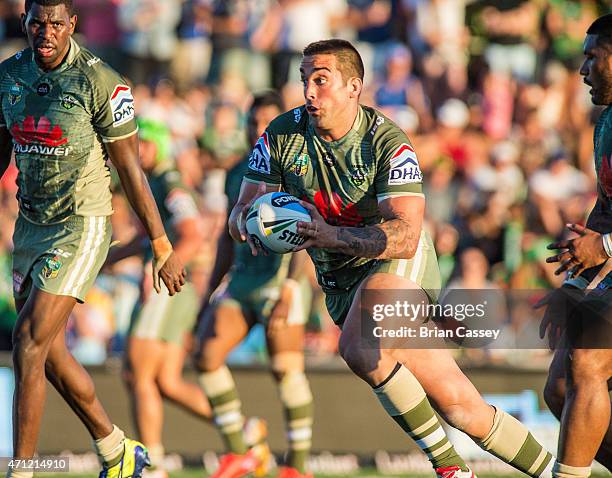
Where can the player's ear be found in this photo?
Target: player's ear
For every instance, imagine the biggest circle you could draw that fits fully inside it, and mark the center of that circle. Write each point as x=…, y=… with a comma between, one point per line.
x=73, y=22
x=23, y=24
x=355, y=85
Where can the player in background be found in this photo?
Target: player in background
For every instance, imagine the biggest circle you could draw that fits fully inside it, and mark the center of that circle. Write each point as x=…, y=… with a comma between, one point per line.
x=359, y=177
x=259, y=289
x=64, y=112
x=161, y=324
x=579, y=323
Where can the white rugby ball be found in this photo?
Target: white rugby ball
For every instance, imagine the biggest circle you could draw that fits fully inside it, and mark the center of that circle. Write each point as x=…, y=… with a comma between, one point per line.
x=272, y=222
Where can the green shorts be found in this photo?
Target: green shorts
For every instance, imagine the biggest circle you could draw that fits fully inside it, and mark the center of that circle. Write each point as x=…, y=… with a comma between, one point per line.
x=257, y=305
x=62, y=259
x=165, y=317
x=421, y=269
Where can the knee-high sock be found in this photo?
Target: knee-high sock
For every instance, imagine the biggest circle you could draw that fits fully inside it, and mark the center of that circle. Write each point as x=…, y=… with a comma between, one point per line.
x=510, y=441
x=221, y=391
x=404, y=399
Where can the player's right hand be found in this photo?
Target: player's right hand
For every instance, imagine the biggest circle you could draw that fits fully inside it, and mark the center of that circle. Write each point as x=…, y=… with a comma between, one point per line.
x=237, y=222
x=171, y=271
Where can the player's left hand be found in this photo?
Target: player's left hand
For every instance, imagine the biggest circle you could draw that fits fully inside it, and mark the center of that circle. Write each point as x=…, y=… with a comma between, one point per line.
x=317, y=232
x=580, y=253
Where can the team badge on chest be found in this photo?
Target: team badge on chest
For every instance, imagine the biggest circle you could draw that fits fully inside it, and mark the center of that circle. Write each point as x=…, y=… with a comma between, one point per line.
x=299, y=167
x=15, y=94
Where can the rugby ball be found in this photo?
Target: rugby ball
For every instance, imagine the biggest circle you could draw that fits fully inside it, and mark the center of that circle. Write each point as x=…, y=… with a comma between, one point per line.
x=272, y=222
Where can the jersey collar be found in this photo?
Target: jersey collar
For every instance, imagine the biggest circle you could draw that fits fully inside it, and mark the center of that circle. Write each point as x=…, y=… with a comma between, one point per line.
x=355, y=129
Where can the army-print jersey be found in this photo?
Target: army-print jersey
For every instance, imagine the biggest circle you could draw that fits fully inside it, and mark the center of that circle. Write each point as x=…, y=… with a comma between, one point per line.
x=59, y=121
x=600, y=218
x=344, y=179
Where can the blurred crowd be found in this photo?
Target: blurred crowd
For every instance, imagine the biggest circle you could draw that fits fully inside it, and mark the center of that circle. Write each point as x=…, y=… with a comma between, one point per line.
x=488, y=92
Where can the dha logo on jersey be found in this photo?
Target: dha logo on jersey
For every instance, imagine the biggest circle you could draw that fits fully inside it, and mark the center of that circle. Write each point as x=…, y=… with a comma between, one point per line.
x=15, y=93
x=122, y=105
x=39, y=138
x=404, y=167
x=259, y=160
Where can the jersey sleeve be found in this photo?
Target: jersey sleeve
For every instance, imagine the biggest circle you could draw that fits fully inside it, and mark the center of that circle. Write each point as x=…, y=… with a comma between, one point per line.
x=263, y=163
x=3, y=74
x=398, y=172
x=113, y=105
x=178, y=200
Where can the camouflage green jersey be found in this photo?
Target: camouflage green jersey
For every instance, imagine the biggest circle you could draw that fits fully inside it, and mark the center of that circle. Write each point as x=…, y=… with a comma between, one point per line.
x=173, y=198
x=344, y=179
x=600, y=218
x=251, y=272
x=59, y=121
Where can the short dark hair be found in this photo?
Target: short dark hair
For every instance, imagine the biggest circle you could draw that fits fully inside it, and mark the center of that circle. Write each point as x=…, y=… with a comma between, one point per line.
x=602, y=27
x=347, y=57
x=267, y=98
x=50, y=3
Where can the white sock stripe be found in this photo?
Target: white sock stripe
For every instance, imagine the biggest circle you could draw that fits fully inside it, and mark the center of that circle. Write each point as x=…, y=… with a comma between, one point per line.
x=82, y=256
x=228, y=418
x=299, y=434
x=548, y=471
x=428, y=424
x=302, y=445
x=440, y=450
x=233, y=428
x=538, y=462
x=227, y=407
x=92, y=254
x=432, y=439
x=300, y=423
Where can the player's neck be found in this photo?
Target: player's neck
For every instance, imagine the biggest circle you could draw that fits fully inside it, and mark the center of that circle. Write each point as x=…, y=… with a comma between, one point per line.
x=345, y=124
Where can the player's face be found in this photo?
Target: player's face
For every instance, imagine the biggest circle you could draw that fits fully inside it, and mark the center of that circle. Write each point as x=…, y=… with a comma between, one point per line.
x=328, y=96
x=597, y=70
x=259, y=120
x=49, y=29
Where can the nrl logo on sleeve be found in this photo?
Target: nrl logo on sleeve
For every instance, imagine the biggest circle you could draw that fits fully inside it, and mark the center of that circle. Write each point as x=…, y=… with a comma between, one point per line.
x=259, y=160
x=122, y=105
x=297, y=115
x=404, y=166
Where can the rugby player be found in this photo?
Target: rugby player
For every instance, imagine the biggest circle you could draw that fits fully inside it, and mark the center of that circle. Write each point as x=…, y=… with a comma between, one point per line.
x=161, y=324
x=578, y=323
x=64, y=112
x=359, y=177
x=260, y=289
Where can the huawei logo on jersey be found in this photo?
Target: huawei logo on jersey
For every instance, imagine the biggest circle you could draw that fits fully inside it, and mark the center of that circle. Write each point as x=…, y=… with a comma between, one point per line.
x=39, y=138
x=605, y=174
x=335, y=212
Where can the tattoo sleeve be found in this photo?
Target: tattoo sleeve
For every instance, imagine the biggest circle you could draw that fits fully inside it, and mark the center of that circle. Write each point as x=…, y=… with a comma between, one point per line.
x=392, y=239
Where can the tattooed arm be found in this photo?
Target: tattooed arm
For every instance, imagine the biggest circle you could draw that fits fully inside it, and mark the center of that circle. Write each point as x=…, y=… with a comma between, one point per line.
x=397, y=237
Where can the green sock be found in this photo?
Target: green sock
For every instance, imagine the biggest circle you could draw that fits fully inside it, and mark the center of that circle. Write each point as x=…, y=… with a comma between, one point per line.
x=405, y=401
x=298, y=407
x=221, y=391
x=510, y=441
